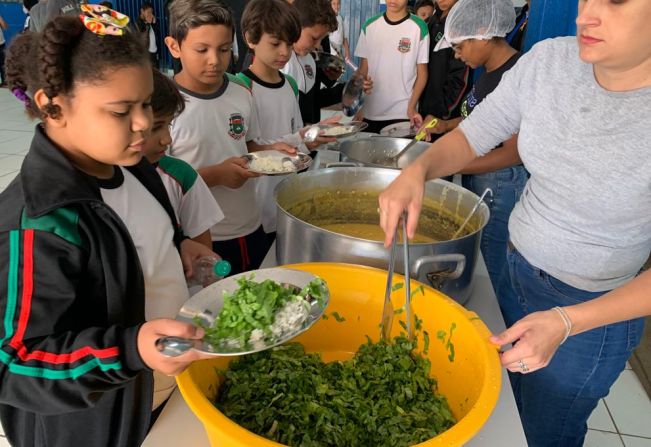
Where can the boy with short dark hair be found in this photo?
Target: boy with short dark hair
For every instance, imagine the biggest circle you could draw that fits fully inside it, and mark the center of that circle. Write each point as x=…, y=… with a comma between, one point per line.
x=394, y=47
x=271, y=28
x=317, y=19
x=217, y=127
x=424, y=9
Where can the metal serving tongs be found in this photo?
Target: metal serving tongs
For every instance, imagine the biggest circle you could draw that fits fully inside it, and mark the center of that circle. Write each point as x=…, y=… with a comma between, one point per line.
x=387, y=312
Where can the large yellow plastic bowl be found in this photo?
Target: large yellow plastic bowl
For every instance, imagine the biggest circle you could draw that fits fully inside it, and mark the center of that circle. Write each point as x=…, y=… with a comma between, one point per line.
x=470, y=378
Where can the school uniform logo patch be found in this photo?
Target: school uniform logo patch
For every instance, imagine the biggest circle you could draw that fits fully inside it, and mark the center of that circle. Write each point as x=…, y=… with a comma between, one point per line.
x=236, y=126
x=404, y=45
x=309, y=72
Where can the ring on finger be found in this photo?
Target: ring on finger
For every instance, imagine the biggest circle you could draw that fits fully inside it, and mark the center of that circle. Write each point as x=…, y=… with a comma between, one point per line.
x=523, y=366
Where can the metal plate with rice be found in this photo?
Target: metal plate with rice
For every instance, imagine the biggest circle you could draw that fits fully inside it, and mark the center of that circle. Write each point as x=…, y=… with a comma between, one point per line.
x=276, y=163
x=207, y=303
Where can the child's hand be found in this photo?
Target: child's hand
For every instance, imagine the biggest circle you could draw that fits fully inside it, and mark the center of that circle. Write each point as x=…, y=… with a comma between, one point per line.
x=283, y=147
x=368, y=85
x=320, y=139
x=191, y=251
x=155, y=329
x=334, y=119
x=235, y=172
x=415, y=118
x=440, y=128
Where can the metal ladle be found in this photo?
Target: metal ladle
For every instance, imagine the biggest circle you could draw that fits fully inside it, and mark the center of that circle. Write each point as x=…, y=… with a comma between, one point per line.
x=472, y=213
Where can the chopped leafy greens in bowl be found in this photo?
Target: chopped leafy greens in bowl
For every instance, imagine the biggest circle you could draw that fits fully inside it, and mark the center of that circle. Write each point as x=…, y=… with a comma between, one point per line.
x=383, y=396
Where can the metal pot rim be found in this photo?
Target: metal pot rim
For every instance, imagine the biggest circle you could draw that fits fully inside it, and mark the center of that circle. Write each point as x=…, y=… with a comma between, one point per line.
x=383, y=171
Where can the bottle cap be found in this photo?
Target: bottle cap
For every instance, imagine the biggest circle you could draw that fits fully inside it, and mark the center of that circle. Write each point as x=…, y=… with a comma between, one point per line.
x=222, y=268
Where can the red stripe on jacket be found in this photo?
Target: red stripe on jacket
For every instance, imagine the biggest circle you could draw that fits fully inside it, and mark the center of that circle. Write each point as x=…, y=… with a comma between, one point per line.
x=25, y=308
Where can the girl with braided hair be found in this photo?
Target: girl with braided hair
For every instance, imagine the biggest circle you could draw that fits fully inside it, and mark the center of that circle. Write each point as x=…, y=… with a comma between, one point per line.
x=80, y=314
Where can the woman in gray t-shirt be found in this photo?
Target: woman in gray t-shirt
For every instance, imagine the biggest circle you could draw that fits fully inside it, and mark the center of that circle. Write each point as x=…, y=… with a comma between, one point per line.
x=582, y=228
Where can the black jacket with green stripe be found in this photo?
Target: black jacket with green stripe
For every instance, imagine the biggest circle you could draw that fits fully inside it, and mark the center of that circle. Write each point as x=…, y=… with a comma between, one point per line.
x=71, y=304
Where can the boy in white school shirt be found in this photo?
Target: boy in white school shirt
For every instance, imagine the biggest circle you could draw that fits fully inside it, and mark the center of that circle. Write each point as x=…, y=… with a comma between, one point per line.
x=218, y=127
x=394, y=51
x=271, y=28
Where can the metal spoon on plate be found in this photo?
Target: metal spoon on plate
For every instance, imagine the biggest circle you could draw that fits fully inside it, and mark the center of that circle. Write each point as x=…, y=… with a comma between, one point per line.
x=311, y=134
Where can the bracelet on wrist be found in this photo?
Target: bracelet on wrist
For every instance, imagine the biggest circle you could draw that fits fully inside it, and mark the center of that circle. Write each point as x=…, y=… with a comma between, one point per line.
x=566, y=320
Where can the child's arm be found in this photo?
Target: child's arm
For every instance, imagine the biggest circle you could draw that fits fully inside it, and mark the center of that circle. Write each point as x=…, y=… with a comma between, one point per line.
x=419, y=86
x=232, y=173
x=49, y=362
x=363, y=67
x=442, y=126
x=346, y=49
x=281, y=146
x=54, y=357
x=363, y=72
x=191, y=251
x=204, y=239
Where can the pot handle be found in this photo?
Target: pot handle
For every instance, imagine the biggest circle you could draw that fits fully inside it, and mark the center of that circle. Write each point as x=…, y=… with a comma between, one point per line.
x=437, y=278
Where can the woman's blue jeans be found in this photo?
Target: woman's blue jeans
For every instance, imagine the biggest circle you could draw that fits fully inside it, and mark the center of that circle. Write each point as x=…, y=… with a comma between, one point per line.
x=507, y=186
x=555, y=402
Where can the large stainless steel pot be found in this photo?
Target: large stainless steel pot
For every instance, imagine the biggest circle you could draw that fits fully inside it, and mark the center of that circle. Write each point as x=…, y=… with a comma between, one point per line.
x=374, y=151
x=349, y=195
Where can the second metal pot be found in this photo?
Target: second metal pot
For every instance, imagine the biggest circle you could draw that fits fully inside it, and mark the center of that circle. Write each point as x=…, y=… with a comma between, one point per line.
x=374, y=151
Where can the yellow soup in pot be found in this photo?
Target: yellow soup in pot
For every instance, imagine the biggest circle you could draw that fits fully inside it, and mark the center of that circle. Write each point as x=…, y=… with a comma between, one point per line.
x=371, y=232
x=355, y=213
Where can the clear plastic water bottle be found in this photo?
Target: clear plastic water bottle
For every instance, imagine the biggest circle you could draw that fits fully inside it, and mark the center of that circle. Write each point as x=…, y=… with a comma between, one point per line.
x=208, y=270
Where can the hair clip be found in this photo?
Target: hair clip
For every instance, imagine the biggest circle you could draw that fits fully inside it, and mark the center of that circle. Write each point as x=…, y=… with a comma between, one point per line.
x=21, y=95
x=103, y=21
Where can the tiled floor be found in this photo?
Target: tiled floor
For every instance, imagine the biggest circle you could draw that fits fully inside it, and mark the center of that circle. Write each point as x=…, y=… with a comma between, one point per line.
x=623, y=419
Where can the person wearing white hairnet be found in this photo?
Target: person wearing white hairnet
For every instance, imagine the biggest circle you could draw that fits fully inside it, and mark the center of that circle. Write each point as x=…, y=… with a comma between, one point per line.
x=581, y=231
x=476, y=30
